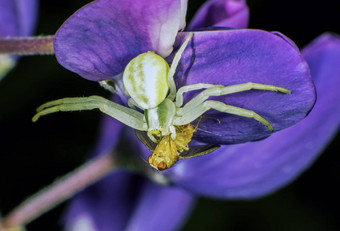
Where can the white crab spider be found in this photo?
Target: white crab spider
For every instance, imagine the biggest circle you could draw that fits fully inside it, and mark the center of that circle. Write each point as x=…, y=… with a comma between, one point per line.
x=149, y=82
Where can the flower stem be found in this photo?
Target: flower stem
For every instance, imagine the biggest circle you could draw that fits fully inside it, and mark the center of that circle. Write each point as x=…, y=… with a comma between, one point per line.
x=41, y=45
x=58, y=192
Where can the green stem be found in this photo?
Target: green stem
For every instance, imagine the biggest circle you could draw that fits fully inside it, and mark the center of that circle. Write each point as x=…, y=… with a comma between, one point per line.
x=41, y=45
x=58, y=192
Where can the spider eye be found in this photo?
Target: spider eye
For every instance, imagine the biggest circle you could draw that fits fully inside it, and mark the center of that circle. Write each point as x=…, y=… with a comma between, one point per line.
x=145, y=79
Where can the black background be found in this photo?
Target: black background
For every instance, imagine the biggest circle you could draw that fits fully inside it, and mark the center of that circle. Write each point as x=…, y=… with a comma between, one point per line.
x=33, y=155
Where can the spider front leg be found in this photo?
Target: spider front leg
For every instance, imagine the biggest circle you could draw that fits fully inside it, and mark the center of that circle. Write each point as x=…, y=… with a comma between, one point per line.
x=193, y=87
x=128, y=116
x=219, y=106
x=132, y=104
x=220, y=90
x=173, y=67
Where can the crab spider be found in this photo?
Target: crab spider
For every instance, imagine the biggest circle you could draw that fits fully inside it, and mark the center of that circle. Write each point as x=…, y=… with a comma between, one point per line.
x=149, y=81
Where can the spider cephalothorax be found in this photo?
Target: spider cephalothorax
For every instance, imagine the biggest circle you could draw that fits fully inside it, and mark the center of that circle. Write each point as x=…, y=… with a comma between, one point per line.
x=149, y=81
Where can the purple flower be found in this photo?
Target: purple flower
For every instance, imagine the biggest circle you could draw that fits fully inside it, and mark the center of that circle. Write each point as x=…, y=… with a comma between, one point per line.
x=100, y=39
x=252, y=170
x=225, y=13
x=235, y=171
x=17, y=18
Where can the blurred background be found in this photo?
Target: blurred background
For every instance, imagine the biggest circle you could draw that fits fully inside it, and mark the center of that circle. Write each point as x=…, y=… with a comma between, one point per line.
x=34, y=154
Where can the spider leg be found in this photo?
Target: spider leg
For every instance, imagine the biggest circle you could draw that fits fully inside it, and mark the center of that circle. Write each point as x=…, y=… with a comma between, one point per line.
x=218, y=91
x=173, y=67
x=219, y=106
x=132, y=104
x=127, y=116
x=192, y=87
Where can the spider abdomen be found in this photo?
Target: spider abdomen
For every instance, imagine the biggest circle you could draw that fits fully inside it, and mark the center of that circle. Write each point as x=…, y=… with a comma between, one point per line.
x=145, y=79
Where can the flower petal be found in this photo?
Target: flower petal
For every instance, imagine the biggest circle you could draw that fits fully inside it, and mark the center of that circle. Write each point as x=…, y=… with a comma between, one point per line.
x=231, y=57
x=160, y=208
x=255, y=169
x=105, y=206
x=100, y=39
x=17, y=18
x=123, y=201
x=110, y=132
x=226, y=13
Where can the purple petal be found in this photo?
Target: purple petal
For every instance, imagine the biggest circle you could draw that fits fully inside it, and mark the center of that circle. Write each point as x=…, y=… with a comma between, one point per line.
x=17, y=18
x=93, y=208
x=105, y=206
x=110, y=133
x=239, y=56
x=255, y=169
x=100, y=39
x=123, y=201
x=225, y=13
x=161, y=208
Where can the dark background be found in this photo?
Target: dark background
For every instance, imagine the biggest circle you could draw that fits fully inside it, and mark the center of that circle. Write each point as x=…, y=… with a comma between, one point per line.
x=33, y=155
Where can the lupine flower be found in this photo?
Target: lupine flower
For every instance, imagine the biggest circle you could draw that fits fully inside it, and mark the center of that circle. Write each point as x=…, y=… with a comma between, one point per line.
x=101, y=38
x=85, y=47
x=17, y=18
x=225, y=13
x=243, y=171
x=255, y=169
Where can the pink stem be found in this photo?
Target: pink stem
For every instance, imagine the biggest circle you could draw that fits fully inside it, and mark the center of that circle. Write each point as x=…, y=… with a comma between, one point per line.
x=27, y=45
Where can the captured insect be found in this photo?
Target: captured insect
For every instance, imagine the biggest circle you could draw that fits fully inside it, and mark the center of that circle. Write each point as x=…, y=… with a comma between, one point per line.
x=165, y=126
x=167, y=151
